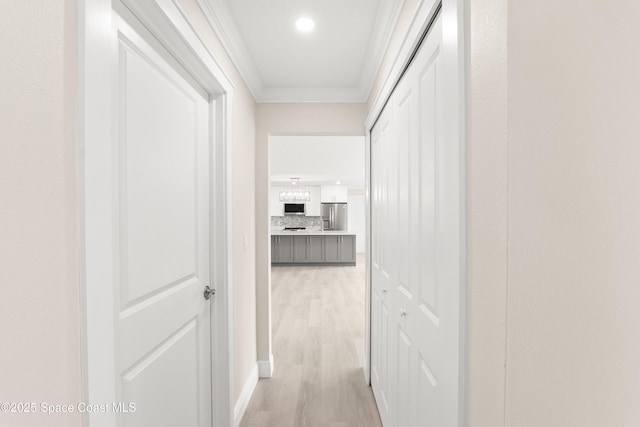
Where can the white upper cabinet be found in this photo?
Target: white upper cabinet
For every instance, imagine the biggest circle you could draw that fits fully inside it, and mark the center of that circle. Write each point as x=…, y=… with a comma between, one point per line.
x=313, y=206
x=276, y=207
x=334, y=194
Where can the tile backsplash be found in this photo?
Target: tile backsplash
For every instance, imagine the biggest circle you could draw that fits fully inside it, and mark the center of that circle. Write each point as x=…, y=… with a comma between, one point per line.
x=296, y=221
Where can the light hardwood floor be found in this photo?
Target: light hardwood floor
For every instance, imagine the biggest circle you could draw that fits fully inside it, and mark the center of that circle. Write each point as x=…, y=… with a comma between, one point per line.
x=318, y=339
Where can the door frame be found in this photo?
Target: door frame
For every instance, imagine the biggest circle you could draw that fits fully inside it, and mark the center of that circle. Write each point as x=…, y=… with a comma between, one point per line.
x=159, y=22
x=454, y=16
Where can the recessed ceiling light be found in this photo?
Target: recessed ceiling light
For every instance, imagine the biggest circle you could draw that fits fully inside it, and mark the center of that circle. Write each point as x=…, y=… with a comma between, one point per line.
x=305, y=24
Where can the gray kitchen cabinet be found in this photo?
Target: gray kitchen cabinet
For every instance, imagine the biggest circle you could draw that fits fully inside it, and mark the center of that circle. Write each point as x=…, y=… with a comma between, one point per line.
x=308, y=249
x=313, y=249
x=340, y=249
x=332, y=248
x=347, y=248
x=282, y=249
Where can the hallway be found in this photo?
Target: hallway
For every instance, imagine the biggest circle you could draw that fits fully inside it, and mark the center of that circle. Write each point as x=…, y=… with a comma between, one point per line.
x=318, y=325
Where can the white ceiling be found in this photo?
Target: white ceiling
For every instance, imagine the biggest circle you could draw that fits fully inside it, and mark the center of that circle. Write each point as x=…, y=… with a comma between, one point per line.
x=318, y=160
x=336, y=62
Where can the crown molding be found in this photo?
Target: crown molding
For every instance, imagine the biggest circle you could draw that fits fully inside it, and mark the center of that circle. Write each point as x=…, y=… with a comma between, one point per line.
x=379, y=43
x=223, y=24
x=308, y=95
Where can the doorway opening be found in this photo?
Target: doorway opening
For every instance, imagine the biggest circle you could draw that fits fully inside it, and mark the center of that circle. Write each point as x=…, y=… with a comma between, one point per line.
x=317, y=232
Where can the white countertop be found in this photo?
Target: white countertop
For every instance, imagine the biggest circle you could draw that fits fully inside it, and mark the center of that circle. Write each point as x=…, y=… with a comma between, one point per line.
x=278, y=231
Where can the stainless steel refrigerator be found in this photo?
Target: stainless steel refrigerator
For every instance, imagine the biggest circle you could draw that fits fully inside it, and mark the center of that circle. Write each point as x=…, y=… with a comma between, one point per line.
x=334, y=216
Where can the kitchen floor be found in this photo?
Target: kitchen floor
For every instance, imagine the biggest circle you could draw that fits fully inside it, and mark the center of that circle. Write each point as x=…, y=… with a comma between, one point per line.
x=318, y=339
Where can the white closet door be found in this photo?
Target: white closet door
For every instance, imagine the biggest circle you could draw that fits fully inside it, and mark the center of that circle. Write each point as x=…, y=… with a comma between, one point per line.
x=161, y=198
x=383, y=226
x=415, y=214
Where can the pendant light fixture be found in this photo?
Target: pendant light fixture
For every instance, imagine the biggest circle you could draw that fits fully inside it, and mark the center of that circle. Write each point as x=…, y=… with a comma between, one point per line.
x=295, y=193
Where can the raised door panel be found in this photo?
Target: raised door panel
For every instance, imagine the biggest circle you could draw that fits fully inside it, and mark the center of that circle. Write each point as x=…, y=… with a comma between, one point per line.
x=332, y=248
x=274, y=249
x=404, y=376
x=300, y=250
x=382, y=355
x=427, y=185
x=404, y=103
x=436, y=342
x=436, y=188
x=286, y=246
x=347, y=248
x=285, y=249
x=163, y=360
x=428, y=400
x=406, y=125
x=315, y=249
x=382, y=329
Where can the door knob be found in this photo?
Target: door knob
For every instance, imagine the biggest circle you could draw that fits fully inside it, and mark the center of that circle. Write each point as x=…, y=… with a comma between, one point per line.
x=209, y=292
x=403, y=312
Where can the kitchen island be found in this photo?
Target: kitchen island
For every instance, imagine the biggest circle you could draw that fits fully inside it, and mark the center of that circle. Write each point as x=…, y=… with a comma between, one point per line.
x=312, y=247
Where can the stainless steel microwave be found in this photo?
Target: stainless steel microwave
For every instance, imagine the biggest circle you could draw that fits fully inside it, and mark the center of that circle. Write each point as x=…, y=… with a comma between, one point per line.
x=295, y=209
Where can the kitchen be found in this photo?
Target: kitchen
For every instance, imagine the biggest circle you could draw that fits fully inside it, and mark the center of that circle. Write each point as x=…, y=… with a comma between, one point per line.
x=317, y=284
x=317, y=200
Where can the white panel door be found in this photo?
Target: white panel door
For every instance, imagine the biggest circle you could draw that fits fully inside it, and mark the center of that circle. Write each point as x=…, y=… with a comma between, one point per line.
x=383, y=227
x=404, y=103
x=415, y=184
x=434, y=309
x=163, y=348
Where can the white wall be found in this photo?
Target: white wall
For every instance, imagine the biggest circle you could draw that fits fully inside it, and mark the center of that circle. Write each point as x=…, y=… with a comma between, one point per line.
x=487, y=212
x=573, y=342
x=357, y=221
x=40, y=358
x=554, y=214
x=318, y=159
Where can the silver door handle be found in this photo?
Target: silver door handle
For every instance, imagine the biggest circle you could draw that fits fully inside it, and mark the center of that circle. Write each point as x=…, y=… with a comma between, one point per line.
x=208, y=292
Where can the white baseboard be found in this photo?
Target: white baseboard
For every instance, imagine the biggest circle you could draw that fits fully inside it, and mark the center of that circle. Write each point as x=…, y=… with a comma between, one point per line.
x=265, y=367
x=245, y=396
